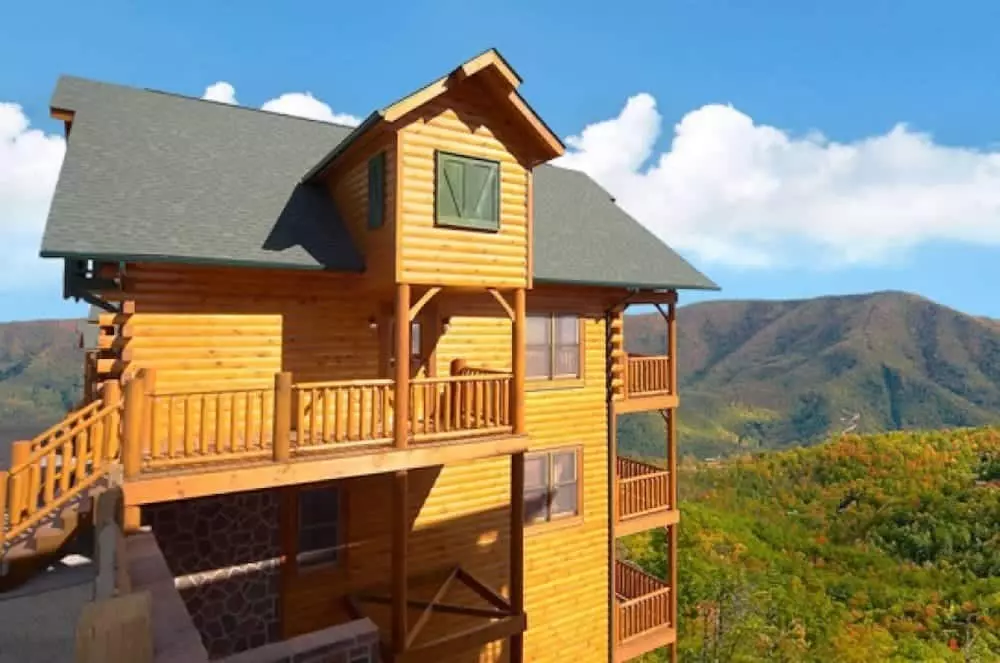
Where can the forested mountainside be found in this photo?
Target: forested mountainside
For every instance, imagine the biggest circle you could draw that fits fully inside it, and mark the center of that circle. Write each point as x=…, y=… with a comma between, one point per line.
x=773, y=374
x=864, y=548
x=41, y=371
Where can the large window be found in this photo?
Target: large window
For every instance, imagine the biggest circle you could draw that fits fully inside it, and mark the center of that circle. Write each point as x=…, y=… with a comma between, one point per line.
x=553, y=346
x=467, y=192
x=319, y=526
x=551, y=485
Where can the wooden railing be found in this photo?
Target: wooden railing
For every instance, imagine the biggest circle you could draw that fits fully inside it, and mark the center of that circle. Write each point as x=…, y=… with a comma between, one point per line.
x=459, y=404
x=643, y=601
x=208, y=426
x=642, y=488
x=60, y=464
x=647, y=375
x=342, y=413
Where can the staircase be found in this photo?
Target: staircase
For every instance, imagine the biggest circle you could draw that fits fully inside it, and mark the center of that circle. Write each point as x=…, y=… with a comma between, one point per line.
x=47, y=495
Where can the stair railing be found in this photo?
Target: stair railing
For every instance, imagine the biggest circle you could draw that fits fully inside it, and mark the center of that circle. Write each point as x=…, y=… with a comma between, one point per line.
x=61, y=464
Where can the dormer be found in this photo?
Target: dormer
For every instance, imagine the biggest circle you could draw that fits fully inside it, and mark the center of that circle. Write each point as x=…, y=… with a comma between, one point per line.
x=436, y=187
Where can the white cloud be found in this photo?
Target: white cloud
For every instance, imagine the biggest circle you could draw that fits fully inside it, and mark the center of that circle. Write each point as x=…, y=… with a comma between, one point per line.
x=29, y=166
x=222, y=92
x=299, y=104
x=732, y=191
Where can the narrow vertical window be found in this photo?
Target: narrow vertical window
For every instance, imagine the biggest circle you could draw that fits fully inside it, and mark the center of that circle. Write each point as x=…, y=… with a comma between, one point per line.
x=376, y=191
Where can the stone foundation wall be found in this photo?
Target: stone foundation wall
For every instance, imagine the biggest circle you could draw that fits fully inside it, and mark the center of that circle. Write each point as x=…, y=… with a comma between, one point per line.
x=223, y=552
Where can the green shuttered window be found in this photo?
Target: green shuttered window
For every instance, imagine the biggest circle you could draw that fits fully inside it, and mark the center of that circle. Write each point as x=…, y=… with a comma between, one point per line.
x=467, y=192
x=376, y=191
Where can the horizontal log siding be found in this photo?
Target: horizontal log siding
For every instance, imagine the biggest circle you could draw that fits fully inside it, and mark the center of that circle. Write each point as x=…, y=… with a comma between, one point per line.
x=465, y=122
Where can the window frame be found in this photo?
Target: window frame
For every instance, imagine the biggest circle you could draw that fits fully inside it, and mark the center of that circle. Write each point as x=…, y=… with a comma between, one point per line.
x=376, y=174
x=553, y=345
x=550, y=520
x=334, y=555
x=441, y=157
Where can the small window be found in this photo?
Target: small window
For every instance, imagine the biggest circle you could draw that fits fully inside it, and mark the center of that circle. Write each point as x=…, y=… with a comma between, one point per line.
x=319, y=526
x=376, y=191
x=551, y=485
x=467, y=192
x=416, y=359
x=553, y=346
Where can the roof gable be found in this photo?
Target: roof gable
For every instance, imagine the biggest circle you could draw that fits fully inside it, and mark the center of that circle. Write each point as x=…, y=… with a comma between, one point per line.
x=498, y=78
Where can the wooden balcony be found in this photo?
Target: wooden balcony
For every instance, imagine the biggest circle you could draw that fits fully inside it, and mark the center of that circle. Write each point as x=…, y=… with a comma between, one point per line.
x=643, y=493
x=642, y=612
x=648, y=384
x=344, y=428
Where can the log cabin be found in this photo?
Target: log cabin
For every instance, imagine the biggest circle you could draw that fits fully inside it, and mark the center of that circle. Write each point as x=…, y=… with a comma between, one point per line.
x=361, y=372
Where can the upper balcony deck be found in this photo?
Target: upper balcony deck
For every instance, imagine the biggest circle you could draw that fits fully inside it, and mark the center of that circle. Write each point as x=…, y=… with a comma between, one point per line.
x=199, y=442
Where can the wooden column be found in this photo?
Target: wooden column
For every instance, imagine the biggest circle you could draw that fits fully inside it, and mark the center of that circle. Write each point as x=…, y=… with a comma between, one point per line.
x=3, y=506
x=132, y=426
x=519, y=362
x=516, y=582
x=20, y=451
x=400, y=527
x=672, y=530
x=112, y=394
x=672, y=341
x=402, y=377
x=280, y=436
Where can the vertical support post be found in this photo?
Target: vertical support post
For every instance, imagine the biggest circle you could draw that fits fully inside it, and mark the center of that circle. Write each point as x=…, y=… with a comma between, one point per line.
x=672, y=341
x=519, y=363
x=516, y=581
x=3, y=507
x=400, y=526
x=282, y=416
x=402, y=381
x=135, y=396
x=673, y=588
x=20, y=451
x=112, y=393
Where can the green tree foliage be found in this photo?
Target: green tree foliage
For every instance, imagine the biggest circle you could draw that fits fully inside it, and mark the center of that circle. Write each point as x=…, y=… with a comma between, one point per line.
x=865, y=548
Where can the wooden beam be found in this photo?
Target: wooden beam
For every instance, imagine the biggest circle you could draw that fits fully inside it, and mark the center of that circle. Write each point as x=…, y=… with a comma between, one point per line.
x=402, y=386
x=427, y=297
x=422, y=620
x=483, y=590
x=516, y=562
x=477, y=636
x=501, y=301
x=647, y=403
x=205, y=481
x=400, y=527
x=652, y=297
x=443, y=608
x=519, y=362
x=662, y=518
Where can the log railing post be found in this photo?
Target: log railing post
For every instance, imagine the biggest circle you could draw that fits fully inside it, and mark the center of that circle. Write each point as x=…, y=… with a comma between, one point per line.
x=672, y=343
x=282, y=416
x=401, y=431
x=112, y=395
x=133, y=424
x=518, y=361
x=20, y=451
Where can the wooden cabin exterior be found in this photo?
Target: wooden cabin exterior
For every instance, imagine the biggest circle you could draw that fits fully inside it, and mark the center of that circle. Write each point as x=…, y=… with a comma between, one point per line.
x=406, y=413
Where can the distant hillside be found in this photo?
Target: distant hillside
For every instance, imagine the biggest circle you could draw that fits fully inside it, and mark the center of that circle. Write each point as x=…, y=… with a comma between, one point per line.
x=779, y=373
x=865, y=548
x=41, y=375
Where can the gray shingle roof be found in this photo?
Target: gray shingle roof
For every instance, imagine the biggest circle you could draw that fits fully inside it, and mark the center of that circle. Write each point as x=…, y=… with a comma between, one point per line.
x=155, y=176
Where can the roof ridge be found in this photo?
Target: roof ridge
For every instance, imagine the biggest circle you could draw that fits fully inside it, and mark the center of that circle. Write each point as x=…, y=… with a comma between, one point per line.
x=188, y=97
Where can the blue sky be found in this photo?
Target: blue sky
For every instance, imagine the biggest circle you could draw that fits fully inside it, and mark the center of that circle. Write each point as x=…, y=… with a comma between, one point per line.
x=751, y=194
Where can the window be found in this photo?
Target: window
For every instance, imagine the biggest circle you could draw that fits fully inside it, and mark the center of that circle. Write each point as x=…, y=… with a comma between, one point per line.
x=551, y=485
x=467, y=192
x=376, y=191
x=553, y=346
x=319, y=526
